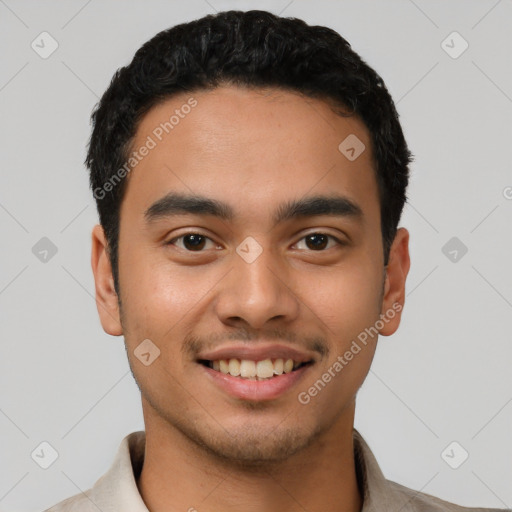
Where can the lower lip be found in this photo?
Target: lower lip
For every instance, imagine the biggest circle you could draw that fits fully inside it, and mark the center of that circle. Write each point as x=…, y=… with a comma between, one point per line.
x=256, y=390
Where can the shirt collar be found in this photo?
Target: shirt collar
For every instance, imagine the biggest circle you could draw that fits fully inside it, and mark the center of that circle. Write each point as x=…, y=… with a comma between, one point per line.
x=379, y=494
x=117, y=488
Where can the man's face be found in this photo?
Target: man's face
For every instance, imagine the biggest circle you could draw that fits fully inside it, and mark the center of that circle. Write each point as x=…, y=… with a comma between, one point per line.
x=193, y=283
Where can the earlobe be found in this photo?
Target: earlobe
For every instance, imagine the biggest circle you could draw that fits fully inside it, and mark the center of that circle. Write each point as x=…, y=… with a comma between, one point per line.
x=394, y=287
x=107, y=301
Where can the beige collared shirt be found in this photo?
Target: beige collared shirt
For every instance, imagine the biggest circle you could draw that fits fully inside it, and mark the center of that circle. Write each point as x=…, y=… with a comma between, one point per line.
x=117, y=489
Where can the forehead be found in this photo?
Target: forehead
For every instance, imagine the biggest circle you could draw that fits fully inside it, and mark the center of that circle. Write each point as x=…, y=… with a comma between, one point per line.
x=250, y=148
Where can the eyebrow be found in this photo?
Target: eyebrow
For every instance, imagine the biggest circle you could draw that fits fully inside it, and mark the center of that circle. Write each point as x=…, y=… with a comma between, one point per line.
x=179, y=204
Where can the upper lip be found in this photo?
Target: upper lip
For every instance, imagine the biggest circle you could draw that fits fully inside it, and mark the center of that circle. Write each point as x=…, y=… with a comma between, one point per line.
x=257, y=353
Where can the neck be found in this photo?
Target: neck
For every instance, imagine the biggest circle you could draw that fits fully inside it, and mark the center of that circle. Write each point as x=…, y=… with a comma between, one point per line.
x=180, y=475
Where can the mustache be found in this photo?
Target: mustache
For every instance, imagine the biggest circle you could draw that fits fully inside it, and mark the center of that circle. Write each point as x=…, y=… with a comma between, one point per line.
x=193, y=344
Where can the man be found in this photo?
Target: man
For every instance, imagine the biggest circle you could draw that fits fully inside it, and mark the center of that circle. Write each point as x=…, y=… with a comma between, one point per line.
x=250, y=172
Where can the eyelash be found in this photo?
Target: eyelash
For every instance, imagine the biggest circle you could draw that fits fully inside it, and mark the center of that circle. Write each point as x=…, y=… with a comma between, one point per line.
x=337, y=240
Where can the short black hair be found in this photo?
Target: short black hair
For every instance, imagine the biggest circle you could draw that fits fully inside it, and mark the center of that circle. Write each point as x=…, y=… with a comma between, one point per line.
x=254, y=49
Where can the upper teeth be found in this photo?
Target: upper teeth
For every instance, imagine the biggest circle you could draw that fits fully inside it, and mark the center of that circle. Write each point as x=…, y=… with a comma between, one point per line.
x=248, y=369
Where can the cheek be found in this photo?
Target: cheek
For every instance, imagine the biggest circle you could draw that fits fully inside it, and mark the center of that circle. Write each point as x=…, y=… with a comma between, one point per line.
x=347, y=299
x=150, y=293
x=158, y=304
x=347, y=303
x=158, y=298
x=161, y=300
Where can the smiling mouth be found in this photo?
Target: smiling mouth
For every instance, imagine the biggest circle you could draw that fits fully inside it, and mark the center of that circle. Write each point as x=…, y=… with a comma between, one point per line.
x=265, y=369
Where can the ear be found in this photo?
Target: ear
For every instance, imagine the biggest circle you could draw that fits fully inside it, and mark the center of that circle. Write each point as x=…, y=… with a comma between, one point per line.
x=394, y=287
x=106, y=296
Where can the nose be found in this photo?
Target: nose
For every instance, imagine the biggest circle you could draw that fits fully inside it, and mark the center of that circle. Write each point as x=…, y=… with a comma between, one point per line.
x=257, y=293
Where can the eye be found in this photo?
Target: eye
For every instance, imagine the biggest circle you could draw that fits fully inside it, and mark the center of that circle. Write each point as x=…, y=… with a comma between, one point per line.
x=194, y=242
x=318, y=241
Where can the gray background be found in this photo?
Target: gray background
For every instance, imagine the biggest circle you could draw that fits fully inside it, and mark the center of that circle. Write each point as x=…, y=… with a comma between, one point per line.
x=445, y=376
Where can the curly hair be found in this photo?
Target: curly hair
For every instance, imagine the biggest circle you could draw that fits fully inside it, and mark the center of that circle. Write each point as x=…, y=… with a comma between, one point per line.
x=251, y=49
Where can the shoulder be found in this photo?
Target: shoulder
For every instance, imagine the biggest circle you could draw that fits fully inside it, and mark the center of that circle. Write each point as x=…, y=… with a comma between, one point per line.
x=117, y=488
x=420, y=502
x=77, y=503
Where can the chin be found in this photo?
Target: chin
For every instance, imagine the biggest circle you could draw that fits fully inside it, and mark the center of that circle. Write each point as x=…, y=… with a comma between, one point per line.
x=254, y=446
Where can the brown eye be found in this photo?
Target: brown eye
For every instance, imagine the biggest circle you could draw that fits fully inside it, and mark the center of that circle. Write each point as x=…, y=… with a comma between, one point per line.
x=318, y=241
x=194, y=242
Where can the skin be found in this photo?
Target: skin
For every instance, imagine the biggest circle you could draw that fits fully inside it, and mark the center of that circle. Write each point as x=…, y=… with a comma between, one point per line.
x=253, y=149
